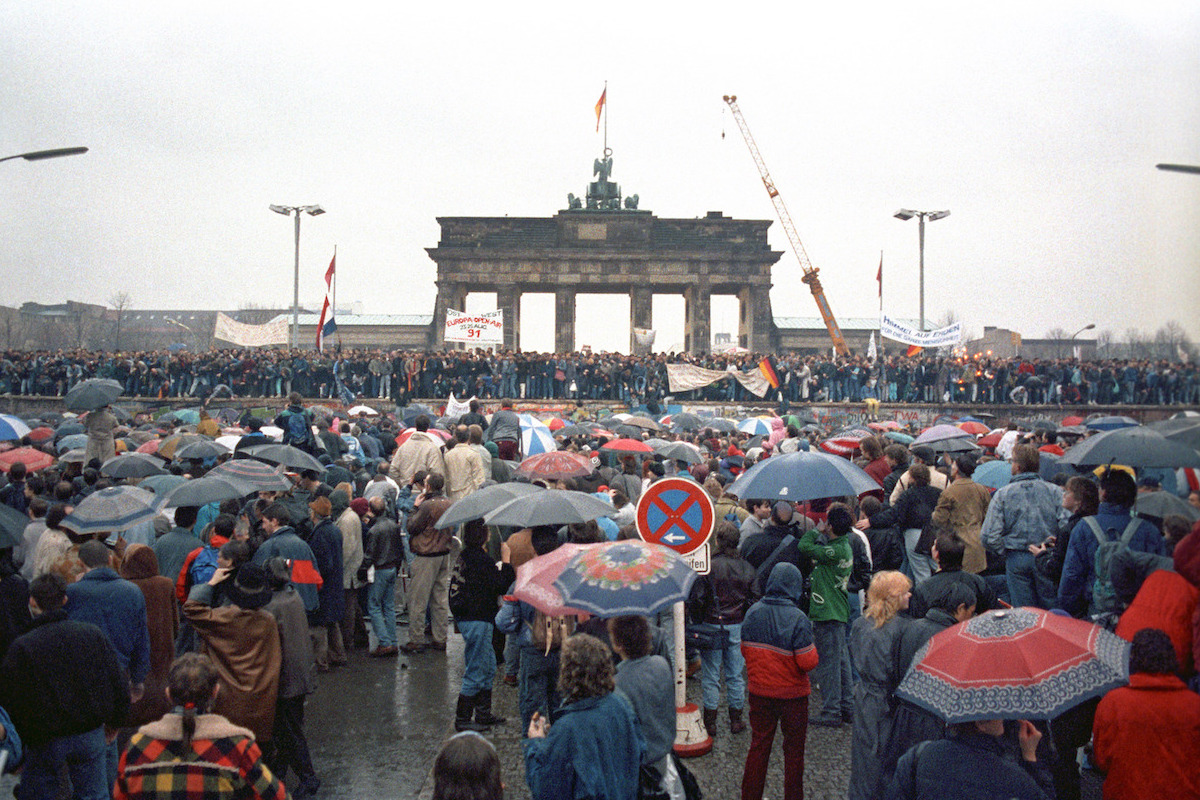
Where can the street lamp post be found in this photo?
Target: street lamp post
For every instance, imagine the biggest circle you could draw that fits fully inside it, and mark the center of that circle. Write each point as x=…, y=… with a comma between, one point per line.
x=287, y=211
x=42, y=155
x=907, y=214
x=1077, y=354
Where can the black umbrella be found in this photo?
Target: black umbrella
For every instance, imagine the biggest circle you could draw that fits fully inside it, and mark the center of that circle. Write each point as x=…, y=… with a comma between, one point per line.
x=1037, y=424
x=132, y=465
x=1133, y=447
x=93, y=393
x=686, y=421
x=201, y=450
x=573, y=430
x=1163, y=504
x=483, y=501
x=678, y=451
x=254, y=476
x=721, y=424
x=209, y=489
x=12, y=527
x=555, y=507
x=284, y=455
x=966, y=445
x=68, y=429
x=1180, y=429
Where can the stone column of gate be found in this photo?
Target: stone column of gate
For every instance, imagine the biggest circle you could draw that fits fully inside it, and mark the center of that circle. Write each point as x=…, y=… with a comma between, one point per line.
x=449, y=296
x=508, y=300
x=641, y=315
x=698, y=308
x=564, y=320
x=754, y=319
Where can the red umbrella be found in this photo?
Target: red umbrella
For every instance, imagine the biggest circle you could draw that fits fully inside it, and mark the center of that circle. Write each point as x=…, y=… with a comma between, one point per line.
x=407, y=432
x=535, y=580
x=627, y=446
x=38, y=435
x=31, y=458
x=885, y=425
x=554, y=423
x=1072, y=420
x=974, y=428
x=991, y=440
x=150, y=447
x=555, y=465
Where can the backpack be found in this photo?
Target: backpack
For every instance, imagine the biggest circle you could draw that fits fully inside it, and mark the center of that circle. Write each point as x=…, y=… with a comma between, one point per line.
x=203, y=566
x=550, y=632
x=297, y=431
x=458, y=589
x=1104, y=596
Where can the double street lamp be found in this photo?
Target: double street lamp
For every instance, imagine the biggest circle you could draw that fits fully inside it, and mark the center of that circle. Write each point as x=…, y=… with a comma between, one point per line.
x=907, y=214
x=288, y=211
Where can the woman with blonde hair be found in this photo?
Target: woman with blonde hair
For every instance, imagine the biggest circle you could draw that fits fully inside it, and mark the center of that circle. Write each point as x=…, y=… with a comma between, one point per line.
x=874, y=642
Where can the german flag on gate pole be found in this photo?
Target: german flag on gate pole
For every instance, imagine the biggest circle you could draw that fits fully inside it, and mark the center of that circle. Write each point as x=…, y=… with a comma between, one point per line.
x=767, y=368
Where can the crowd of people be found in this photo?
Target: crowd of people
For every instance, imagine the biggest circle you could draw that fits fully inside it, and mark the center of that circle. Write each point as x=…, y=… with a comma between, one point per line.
x=173, y=657
x=492, y=374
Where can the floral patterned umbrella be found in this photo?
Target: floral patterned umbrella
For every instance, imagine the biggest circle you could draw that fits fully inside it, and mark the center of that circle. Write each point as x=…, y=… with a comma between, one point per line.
x=535, y=580
x=613, y=579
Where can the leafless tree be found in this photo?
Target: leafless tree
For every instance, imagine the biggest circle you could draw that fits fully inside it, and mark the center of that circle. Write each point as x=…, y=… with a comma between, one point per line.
x=1059, y=341
x=1104, y=343
x=120, y=301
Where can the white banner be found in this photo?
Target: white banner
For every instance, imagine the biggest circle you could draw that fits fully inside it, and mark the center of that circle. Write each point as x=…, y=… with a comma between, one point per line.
x=686, y=377
x=243, y=335
x=950, y=335
x=643, y=337
x=456, y=408
x=483, y=328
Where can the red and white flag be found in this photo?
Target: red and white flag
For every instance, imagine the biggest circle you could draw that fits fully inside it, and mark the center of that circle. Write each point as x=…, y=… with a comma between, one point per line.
x=600, y=107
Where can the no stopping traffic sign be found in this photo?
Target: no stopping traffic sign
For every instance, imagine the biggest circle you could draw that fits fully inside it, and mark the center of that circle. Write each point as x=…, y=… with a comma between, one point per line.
x=676, y=513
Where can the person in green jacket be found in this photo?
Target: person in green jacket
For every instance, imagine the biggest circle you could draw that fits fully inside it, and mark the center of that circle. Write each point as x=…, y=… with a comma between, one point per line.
x=829, y=609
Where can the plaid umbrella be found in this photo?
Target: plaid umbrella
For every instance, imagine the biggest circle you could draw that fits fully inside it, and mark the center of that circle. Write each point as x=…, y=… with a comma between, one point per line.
x=115, y=509
x=1021, y=663
x=613, y=579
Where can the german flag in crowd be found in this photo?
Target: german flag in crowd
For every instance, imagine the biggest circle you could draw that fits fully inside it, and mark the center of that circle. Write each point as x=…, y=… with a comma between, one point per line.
x=768, y=370
x=912, y=350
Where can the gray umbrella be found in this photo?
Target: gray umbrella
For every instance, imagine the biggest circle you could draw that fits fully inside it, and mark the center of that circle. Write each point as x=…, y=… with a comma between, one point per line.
x=201, y=450
x=678, y=451
x=1133, y=447
x=132, y=465
x=12, y=527
x=687, y=421
x=553, y=507
x=77, y=456
x=93, y=393
x=285, y=455
x=253, y=476
x=68, y=429
x=72, y=442
x=960, y=445
x=1180, y=429
x=115, y=509
x=161, y=484
x=201, y=491
x=643, y=422
x=721, y=424
x=802, y=476
x=483, y=501
x=1163, y=504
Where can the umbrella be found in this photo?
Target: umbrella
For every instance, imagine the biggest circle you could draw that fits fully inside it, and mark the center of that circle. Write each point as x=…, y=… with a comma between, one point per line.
x=802, y=476
x=575, y=430
x=73, y=457
x=229, y=441
x=643, y=422
x=254, y=476
x=41, y=434
x=961, y=445
x=31, y=458
x=132, y=465
x=992, y=439
x=1180, y=429
x=556, y=424
x=940, y=433
x=272, y=432
x=689, y=422
x=329, y=413
x=209, y=489
x=885, y=425
x=1133, y=447
x=483, y=501
x=535, y=436
x=535, y=580
x=613, y=579
x=183, y=416
x=161, y=484
x=356, y=410
x=754, y=426
x=555, y=507
x=402, y=437
x=721, y=424
x=993, y=474
x=12, y=527
x=93, y=393
x=1162, y=504
x=12, y=428
x=226, y=416
x=627, y=432
x=285, y=455
x=1038, y=424
x=72, y=442
x=900, y=438
x=150, y=447
x=555, y=466
x=168, y=447
x=68, y=429
x=201, y=450
x=116, y=509
x=679, y=451
x=1052, y=465
x=626, y=446
x=410, y=413
x=974, y=428
x=1022, y=663
x=1111, y=423
x=1068, y=421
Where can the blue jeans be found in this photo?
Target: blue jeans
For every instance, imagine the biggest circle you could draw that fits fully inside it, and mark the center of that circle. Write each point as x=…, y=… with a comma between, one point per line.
x=918, y=566
x=84, y=756
x=381, y=606
x=479, y=657
x=833, y=670
x=1022, y=579
x=729, y=659
x=539, y=684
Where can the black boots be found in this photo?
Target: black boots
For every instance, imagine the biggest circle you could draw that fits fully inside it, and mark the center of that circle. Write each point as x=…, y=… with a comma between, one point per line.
x=462, y=715
x=736, y=723
x=483, y=709
x=710, y=721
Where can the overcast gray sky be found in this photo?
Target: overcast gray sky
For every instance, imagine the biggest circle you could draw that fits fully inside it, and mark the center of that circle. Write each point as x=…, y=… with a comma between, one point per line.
x=1037, y=125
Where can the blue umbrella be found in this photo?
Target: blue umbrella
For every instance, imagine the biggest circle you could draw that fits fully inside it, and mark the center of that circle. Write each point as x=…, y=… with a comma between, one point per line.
x=1052, y=465
x=161, y=484
x=535, y=436
x=614, y=579
x=115, y=509
x=897, y=436
x=754, y=426
x=993, y=474
x=12, y=428
x=1111, y=423
x=75, y=440
x=802, y=476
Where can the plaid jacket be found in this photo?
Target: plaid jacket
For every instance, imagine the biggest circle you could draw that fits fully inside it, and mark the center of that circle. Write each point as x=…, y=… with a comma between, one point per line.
x=223, y=761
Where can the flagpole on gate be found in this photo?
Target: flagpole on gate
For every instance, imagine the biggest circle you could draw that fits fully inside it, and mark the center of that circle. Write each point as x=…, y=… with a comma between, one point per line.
x=605, y=118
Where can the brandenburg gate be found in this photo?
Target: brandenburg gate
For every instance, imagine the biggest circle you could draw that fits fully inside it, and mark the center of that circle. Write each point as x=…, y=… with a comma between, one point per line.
x=609, y=248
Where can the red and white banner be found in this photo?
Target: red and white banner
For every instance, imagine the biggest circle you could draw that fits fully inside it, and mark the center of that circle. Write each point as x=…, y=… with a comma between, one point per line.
x=482, y=328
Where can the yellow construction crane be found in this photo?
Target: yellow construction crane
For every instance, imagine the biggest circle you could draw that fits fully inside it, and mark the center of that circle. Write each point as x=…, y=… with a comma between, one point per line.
x=810, y=272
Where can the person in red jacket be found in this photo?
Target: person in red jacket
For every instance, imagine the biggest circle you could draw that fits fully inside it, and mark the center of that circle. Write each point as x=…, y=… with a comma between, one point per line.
x=777, y=643
x=1147, y=734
